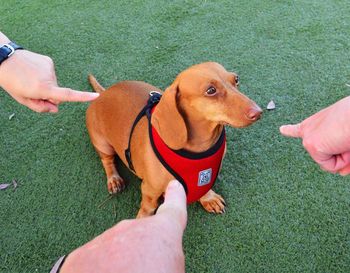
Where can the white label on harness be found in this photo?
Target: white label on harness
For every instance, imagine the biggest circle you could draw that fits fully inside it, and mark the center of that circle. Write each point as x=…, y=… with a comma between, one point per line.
x=204, y=177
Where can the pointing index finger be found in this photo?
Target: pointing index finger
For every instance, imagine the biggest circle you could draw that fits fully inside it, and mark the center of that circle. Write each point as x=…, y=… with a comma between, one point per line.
x=291, y=130
x=67, y=94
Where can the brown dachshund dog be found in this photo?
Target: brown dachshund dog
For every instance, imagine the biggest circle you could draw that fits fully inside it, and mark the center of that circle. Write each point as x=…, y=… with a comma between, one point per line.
x=190, y=115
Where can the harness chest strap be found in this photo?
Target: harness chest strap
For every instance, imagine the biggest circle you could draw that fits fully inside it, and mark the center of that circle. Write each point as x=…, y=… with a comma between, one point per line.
x=197, y=172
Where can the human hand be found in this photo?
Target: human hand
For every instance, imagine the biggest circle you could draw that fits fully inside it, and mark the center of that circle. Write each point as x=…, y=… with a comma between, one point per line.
x=151, y=244
x=30, y=79
x=326, y=136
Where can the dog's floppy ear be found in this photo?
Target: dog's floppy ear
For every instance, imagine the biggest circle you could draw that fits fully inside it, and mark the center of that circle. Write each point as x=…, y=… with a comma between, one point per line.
x=168, y=121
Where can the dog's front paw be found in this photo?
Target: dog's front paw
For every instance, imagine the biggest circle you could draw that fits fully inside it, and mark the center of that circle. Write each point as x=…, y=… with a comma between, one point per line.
x=213, y=202
x=115, y=184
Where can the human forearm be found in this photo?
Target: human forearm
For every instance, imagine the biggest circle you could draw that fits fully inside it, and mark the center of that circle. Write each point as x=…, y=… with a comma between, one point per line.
x=3, y=39
x=152, y=244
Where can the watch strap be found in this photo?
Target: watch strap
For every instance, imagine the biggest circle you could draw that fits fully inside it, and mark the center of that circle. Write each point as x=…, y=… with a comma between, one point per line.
x=7, y=50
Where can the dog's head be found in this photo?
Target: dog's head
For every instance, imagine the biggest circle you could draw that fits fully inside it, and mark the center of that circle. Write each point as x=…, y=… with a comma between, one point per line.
x=203, y=92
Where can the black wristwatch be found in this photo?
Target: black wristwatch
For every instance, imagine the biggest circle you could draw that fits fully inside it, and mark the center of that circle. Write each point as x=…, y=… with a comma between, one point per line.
x=7, y=50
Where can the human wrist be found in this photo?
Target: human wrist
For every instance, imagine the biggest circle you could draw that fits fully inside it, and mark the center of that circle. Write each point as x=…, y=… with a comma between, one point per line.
x=7, y=50
x=8, y=56
x=4, y=39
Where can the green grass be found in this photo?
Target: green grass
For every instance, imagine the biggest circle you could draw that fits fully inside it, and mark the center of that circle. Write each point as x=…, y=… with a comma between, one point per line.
x=284, y=214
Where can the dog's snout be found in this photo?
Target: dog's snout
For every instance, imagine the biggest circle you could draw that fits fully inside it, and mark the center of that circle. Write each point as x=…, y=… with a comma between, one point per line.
x=254, y=113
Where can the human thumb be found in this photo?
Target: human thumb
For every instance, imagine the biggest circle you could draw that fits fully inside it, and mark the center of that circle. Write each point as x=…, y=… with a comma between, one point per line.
x=175, y=203
x=291, y=130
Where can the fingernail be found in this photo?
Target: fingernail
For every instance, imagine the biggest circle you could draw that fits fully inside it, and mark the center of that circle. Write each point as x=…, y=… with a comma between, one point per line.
x=174, y=188
x=174, y=184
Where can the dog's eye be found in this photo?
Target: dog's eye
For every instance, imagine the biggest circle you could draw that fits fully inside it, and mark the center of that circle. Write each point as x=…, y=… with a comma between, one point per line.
x=211, y=91
x=237, y=80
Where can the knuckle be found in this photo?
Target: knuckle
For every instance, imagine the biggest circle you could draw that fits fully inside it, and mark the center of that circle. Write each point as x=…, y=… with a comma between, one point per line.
x=301, y=128
x=49, y=60
x=35, y=110
x=42, y=87
x=327, y=168
x=307, y=143
x=38, y=110
x=124, y=223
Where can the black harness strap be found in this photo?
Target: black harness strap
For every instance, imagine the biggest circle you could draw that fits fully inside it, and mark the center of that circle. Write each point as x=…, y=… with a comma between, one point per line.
x=153, y=99
x=160, y=157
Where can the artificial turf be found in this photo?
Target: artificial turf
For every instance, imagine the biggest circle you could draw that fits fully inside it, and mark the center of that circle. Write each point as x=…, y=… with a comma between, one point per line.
x=284, y=214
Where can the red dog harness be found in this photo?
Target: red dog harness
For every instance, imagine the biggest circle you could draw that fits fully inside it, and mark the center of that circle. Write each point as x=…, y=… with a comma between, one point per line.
x=197, y=172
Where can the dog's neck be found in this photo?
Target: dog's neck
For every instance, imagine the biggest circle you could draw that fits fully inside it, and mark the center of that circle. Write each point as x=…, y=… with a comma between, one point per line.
x=202, y=135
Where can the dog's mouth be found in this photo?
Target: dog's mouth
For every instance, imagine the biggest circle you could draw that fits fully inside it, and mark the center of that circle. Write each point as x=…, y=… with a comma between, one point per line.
x=234, y=125
x=241, y=124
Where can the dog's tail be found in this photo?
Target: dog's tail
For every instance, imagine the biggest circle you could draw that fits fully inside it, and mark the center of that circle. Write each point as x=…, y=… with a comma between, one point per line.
x=95, y=84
